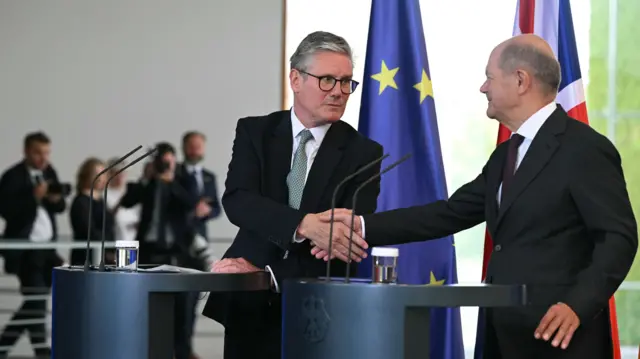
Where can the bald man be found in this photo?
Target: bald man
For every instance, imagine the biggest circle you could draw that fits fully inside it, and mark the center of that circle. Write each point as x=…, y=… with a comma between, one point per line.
x=555, y=202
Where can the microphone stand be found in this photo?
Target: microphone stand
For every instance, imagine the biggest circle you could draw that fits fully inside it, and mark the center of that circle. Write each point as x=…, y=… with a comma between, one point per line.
x=104, y=208
x=93, y=185
x=353, y=207
x=333, y=205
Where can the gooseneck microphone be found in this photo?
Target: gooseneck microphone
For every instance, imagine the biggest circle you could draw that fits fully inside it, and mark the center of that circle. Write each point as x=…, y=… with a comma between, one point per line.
x=104, y=208
x=93, y=185
x=353, y=206
x=333, y=203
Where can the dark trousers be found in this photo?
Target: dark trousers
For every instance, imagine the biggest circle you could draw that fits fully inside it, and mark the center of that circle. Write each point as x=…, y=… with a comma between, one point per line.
x=35, y=279
x=591, y=340
x=254, y=326
x=251, y=343
x=184, y=305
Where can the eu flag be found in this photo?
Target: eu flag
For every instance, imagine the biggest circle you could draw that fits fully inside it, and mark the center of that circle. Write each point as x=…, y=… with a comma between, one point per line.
x=397, y=110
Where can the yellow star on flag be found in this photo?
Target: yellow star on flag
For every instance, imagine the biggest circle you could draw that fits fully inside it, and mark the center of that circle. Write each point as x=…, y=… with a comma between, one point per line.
x=385, y=77
x=434, y=281
x=424, y=86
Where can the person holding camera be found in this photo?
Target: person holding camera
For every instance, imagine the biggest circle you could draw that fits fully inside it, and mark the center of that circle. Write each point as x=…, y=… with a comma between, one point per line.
x=30, y=198
x=165, y=232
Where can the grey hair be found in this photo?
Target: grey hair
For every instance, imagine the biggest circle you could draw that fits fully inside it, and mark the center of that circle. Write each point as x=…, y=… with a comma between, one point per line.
x=315, y=42
x=544, y=68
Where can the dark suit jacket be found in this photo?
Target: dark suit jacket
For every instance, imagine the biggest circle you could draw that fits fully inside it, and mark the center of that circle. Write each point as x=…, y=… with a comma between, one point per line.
x=210, y=191
x=256, y=200
x=18, y=207
x=81, y=220
x=565, y=227
x=176, y=205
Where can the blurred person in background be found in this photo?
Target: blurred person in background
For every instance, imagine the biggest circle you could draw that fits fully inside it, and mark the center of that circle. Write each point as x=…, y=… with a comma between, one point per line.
x=201, y=184
x=31, y=196
x=126, y=219
x=80, y=217
x=165, y=232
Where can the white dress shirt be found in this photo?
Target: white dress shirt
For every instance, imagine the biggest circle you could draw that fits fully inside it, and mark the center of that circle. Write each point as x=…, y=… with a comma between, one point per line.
x=42, y=229
x=125, y=219
x=311, y=149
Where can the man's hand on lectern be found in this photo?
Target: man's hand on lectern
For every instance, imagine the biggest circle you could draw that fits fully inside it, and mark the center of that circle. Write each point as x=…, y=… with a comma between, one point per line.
x=234, y=265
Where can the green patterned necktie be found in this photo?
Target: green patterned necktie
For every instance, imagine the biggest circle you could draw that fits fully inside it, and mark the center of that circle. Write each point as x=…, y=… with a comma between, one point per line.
x=296, y=178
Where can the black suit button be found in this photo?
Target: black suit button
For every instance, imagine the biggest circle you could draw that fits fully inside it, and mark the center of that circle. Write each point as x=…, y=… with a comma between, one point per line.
x=497, y=248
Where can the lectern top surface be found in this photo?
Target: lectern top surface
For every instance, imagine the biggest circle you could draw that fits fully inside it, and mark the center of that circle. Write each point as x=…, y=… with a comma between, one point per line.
x=166, y=281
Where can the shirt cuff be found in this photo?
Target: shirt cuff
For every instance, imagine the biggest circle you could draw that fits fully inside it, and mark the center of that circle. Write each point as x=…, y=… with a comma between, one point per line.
x=297, y=239
x=273, y=278
x=362, y=224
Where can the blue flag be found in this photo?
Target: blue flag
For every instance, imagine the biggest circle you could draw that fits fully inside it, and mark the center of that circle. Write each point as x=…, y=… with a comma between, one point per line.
x=397, y=110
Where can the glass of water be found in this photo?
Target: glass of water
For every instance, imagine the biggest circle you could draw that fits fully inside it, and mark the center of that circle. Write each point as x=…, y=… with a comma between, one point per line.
x=385, y=264
x=127, y=255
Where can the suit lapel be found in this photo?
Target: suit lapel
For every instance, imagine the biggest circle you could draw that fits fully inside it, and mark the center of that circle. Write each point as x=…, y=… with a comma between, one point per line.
x=279, y=150
x=541, y=150
x=328, y=156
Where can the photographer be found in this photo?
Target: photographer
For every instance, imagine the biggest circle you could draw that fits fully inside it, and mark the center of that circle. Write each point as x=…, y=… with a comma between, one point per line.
x=165, y=233
x=31, y=196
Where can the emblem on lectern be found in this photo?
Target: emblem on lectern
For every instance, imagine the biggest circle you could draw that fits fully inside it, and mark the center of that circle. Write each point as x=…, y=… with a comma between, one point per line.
x=317, y=319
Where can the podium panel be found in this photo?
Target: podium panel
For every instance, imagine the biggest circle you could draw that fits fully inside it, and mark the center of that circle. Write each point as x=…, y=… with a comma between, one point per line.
x=127, y=315
x=340, y=320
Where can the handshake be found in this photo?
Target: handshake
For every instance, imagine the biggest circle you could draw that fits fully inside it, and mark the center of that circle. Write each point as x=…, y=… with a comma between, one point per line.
x=316, y=228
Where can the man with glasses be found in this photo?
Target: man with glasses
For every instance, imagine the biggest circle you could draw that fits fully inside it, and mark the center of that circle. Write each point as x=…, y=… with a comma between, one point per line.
x=283, y=171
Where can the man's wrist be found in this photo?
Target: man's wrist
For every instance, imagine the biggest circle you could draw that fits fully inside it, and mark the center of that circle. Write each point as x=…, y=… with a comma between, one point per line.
x=301, y=229
x=274, y=282
x=297, y=238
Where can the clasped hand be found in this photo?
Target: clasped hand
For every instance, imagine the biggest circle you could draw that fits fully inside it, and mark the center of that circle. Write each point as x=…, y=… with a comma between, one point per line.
x=316, y=228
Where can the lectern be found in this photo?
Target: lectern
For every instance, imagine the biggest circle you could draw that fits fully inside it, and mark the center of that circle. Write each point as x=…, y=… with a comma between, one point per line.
x=338, y=320
x=127, y=315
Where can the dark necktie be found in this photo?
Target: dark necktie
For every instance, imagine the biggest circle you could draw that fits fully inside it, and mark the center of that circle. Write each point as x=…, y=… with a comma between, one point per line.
x=510, y=163
x=193, y=182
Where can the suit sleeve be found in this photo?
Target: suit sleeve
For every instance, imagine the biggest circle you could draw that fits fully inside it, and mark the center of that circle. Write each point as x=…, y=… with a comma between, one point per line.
x=245, y=206
x=212, y=193
x=366, y=203
x=600, y=194
x=133, y=195
x=58, y=206
x=368, y=196
x=464, y=209
x=17, y=200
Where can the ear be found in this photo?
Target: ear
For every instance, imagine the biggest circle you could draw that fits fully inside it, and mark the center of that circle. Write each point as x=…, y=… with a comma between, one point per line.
x=523, y=81
x=295, y=80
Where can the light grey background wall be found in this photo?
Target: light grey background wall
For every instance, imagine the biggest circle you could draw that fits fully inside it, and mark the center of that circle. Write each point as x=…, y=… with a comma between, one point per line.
x=101, y=77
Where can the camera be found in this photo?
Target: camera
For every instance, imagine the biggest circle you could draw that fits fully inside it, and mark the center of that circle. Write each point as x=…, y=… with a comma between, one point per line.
x=63, y=189
x=160, y=165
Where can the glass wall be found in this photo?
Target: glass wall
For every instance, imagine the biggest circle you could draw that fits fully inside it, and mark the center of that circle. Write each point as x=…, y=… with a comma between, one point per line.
x=459, y=37
x=614, y=106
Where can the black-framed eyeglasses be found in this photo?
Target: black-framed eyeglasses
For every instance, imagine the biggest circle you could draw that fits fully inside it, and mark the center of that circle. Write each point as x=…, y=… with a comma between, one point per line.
x=327, y=83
